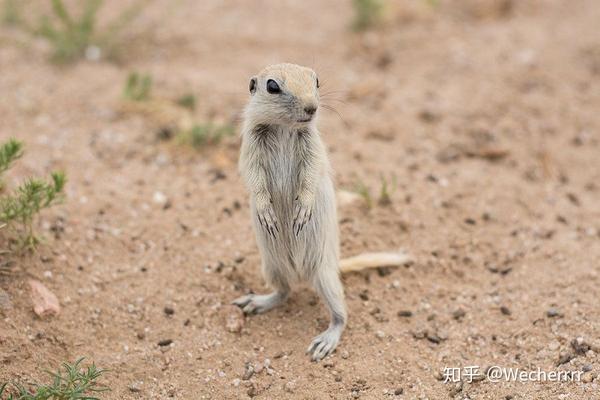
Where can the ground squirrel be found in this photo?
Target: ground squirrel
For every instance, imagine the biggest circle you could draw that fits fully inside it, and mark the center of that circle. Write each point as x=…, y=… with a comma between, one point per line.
x=293, y=205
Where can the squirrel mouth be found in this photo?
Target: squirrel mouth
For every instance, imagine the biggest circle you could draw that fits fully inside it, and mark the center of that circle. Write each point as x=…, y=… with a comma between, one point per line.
x=305, y=119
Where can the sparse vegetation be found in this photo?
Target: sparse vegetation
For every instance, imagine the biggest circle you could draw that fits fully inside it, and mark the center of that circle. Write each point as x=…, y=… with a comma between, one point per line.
x=188, y=101
x=385, y=191
x=72, y=37
x=18, y=209
x=364, y=192
x=138, y=87
x=367, y=14
x=9, y=152
x=207, y=133
x=11, y=14
x=72, y=382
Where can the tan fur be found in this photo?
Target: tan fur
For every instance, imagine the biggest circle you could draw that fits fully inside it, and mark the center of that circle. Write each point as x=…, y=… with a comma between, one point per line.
x=284, y=164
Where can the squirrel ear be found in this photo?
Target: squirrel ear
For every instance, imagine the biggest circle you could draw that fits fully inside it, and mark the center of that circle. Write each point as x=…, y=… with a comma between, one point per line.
x=252, y=86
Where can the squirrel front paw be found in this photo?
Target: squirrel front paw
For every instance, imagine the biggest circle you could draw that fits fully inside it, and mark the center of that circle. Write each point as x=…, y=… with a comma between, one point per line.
x=267, y=218
x=302, y=215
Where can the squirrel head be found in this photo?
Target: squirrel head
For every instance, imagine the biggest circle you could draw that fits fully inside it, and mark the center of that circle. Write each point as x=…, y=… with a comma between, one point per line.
x=283, y=94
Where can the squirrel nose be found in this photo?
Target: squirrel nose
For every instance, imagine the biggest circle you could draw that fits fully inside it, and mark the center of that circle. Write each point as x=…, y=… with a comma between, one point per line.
x=310, y=109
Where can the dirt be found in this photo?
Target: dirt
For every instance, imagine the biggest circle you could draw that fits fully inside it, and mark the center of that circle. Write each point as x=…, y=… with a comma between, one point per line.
x=485, y=114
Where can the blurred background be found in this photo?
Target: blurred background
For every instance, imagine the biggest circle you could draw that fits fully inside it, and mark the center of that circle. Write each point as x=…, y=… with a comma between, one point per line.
x=464, y=132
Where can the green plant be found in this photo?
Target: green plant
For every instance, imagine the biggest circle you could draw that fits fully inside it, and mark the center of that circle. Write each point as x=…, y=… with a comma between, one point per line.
x=364, y=192
x=138, y=87
x=367, y=13
x=385, y=191
x=11, y=13
x=188, y=101
x=71, y=37
x=208, y=133
x=18, y=209
x=72, y=382
x=9, y=152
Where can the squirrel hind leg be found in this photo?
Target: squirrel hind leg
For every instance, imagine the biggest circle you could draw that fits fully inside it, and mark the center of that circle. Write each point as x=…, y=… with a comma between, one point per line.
x=260, y=303
x=329, y=287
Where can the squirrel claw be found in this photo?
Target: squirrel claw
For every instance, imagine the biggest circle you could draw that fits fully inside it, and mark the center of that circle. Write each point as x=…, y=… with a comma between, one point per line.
x=268, y=220
x=303, y=215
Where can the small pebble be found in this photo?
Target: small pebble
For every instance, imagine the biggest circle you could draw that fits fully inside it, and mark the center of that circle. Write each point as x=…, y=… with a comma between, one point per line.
x=290, y=386
x=458, y=314
x=587, y=378
x=165, y=342
x=159, y=198
x=234, y=318
x=135, y=387
x=505, y=310
x=552, y=312
x=398, y=391
x=169, y=310
x=248, y=373
x=252, y=391
x=405, y=313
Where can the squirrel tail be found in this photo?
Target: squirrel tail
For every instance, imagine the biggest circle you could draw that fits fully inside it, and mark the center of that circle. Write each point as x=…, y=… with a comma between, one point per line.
x=374, y=260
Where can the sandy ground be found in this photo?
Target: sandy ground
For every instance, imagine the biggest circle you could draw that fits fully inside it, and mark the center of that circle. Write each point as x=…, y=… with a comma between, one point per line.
x=486, y=115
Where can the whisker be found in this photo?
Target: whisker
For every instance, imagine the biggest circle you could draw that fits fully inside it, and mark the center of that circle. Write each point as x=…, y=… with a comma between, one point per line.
x=330, y=108
x=334, y=99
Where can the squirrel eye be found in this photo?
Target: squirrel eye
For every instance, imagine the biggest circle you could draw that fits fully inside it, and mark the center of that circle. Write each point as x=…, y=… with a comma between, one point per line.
x=318, y=86
x=273, y=87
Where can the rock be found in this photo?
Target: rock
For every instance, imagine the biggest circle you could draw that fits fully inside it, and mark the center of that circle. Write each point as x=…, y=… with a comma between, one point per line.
x=398, y=391
x=405, y=313
x=234, y=318
x=248, y=373
x=553, y=312
x=380, y=334
x=165, y=342
x=565, y=358
x=45, y=303
x=135, y=387
x=252, y=391
x=587, y=378
x=5, y=303
x=419, y=334
x=433, y=337
x=458, y=314
x=580, y=346
x=345, y=354
x=505, y=310
x=169, y=310
x=290, y=386
x=161, y=199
